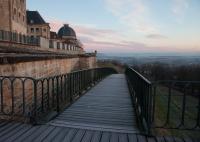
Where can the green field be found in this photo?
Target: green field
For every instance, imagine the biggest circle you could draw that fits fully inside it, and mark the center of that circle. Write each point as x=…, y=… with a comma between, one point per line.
x=175, y=113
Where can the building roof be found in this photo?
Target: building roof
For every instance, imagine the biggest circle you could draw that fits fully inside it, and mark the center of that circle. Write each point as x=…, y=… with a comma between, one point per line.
x=34, y=17
x=66, y=32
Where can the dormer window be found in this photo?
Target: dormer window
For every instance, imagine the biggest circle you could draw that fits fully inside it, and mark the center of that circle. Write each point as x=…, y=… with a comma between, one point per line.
x=32, y=22
x=32, y=30
x=37, y=30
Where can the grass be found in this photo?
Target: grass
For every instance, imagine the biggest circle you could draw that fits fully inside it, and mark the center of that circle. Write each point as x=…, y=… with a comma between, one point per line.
x=175, y=117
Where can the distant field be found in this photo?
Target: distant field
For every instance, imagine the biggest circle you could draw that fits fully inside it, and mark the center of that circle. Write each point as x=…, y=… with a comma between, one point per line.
x=120, y=68
x=175, y=112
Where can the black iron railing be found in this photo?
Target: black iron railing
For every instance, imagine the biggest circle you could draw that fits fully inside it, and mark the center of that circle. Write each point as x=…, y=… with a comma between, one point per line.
x=165, y=104
x=27, y=97
x=140, y=90
x=8, y=36
x=176, y=105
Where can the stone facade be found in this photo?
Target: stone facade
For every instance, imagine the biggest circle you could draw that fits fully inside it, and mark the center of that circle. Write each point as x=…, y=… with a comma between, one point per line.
x=47, y=68
x=39, y=30
x=13, y=16
x=19, y=101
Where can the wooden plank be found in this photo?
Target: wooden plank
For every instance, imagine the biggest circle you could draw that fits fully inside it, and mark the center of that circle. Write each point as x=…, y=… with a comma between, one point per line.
x=123, y=138
x=105, y=137
x=9, y=129
x=132, y=137
x=27, y=134
x=151, y=139
x=79, y=136
x=53, y=134
x=178, y=140
x=141, y=138
x=114, y=137
x=4, y=127
x=60, y=136
x=96, y=136
x=18, y=134
x=169, y=139
x=36, y=133
x=160, y=139
x=44, y=134
x=107, y=104
x=87, y=136
x=188, y=140
x=11, y=133
x=70, y=135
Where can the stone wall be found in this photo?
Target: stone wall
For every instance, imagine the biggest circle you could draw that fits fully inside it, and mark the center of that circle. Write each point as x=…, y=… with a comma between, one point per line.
x=49, y=67
x=4, y=14
x=18, y=99
x=13, y=16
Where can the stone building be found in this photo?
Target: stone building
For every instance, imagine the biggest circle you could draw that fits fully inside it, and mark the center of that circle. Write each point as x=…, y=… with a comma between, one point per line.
x=13, y=16
x=65, y=39
x=23, y=28
x=37, y=27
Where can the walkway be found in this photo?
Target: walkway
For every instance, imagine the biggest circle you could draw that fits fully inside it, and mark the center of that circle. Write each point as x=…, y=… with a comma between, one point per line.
x=106, y=107
x=104, y=114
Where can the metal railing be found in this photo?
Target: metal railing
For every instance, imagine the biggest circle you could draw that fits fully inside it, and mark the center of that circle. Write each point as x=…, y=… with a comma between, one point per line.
x=176, y=105
x=165, y=104
x=8, y=36
x=27, y=97
x=140, y=90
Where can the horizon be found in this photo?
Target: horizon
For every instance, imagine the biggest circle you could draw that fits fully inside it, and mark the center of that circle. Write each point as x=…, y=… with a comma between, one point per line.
x=149, y=54
x=128, y=26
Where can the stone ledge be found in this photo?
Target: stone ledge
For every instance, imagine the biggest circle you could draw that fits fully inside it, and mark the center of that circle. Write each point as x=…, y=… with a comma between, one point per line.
x=17, y=58
x=11, y=55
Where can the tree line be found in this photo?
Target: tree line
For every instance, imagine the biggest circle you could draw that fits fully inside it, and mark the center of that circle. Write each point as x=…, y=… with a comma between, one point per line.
x=161, y=71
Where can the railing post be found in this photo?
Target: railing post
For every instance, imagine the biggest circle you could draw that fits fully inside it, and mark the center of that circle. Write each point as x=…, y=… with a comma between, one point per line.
x=57, y=95
x=47, y=93
x=33, y=117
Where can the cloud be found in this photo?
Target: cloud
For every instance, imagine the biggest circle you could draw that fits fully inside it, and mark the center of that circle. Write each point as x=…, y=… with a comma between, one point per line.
x=156, y=36
x=56, y=24
x=132, y=13
x=111, y=41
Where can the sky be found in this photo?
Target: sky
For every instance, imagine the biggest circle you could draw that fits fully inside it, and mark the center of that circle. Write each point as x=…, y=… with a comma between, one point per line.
x=127, y=26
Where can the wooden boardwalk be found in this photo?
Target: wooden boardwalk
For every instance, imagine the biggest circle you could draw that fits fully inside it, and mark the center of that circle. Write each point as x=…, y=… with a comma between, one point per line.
x=106, y=107
x=104, y=114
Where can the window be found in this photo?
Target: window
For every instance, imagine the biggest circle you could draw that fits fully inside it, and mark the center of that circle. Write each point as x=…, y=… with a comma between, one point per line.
x=58, y=45
x=44, y=30
x=31, y=21
x=63, y=46
x=32, y=30
x=19, y=15
x=15, y=11
x=37, y=30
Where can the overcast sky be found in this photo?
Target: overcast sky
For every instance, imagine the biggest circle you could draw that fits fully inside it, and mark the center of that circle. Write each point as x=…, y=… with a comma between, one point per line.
x=127, y=26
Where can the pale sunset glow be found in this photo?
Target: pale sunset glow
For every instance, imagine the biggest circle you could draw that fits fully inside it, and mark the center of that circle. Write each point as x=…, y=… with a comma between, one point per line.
x=127, y=26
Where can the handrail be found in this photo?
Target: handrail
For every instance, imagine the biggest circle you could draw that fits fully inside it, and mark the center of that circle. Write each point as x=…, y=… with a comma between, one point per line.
x=140, y=90
x=13, y=37
x=181, y=105
x=27, y=97
x=165, y=104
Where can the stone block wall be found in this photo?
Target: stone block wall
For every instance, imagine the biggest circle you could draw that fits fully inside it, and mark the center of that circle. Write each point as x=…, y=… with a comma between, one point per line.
x=46, y=68
x=4, y=13
x=20, y=97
